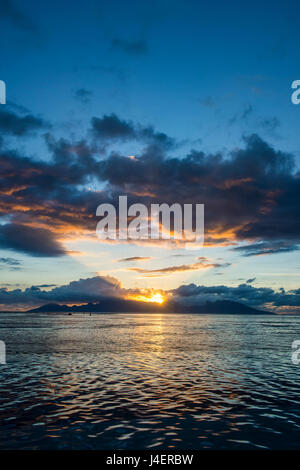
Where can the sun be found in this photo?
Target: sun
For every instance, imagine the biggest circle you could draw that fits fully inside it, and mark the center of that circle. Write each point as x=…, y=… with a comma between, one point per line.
x=156, y=297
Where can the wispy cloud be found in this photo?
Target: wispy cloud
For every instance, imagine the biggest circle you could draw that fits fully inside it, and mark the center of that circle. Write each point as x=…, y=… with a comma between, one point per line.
x=203, y=264
x=10, y=261
x=266, y=248
x=134, y=258
x=132, y=47
x=83, y=95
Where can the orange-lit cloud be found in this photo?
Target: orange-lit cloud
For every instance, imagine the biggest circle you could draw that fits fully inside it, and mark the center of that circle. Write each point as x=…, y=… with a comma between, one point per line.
x=155, y=297
x=203, y=264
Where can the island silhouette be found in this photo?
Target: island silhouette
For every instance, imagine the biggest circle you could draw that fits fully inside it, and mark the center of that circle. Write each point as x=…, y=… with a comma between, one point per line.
x=117, y=305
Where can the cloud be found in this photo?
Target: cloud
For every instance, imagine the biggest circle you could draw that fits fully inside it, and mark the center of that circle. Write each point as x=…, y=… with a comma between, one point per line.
x=46, y=285
x=270, y=126
x=137, y=47
x=105, y=289
x=84, y=290
x=111, y=127
x=10, y=261
x=17, y=107
x=266, y=248
x=9, y=11
x=204, y=264
x=242, y=116
x=247, y=111
x=251, y=194
x=11, y=123
x=257, y=297
x=134, y=258
x=87, y=290
x=208, y=102
x=83, y=95
x=31, y=240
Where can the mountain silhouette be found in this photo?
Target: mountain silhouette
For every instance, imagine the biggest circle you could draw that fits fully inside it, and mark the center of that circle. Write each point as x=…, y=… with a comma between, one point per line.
x=118, y=305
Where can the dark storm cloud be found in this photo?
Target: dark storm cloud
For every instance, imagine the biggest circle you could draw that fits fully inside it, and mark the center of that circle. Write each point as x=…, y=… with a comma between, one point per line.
x=84, y=290
x=30, y=240
x=87, y=290
x=14, y=124
x=46, y=193
x=250, y=195
x=111, y=127
x=138, y=47
x=244, y=293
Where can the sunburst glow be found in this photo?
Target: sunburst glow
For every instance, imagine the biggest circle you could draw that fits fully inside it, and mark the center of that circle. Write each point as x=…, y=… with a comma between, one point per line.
x=158, y=298
x=155, y=297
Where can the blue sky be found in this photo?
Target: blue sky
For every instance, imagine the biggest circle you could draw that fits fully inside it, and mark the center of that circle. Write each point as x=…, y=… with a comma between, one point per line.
x=207, y=75
x=201, y=67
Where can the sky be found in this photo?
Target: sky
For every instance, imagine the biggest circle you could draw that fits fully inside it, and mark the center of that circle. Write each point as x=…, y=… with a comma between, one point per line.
x=200, y=96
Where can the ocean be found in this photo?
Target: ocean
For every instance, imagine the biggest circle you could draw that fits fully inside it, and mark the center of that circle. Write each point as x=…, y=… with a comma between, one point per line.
x=149, y=381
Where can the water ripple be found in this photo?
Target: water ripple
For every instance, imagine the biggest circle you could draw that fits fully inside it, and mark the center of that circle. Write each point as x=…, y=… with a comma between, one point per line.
x=149, y=381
